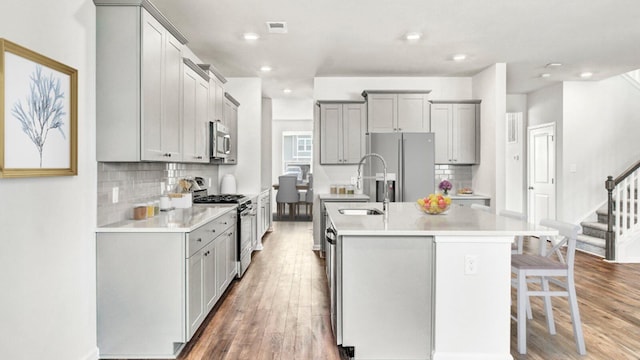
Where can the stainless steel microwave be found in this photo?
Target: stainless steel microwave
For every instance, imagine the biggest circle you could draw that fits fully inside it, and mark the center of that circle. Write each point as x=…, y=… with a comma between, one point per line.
x=219, y=140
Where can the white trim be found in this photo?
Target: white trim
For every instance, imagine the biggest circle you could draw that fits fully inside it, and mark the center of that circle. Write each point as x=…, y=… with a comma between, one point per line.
x=93, y=354
x=468, y=356
x=631, y=80
x=316, y=247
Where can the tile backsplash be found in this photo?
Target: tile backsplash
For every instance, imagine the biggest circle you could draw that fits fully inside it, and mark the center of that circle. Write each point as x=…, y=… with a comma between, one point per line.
x=141, y=182
x=459, y=175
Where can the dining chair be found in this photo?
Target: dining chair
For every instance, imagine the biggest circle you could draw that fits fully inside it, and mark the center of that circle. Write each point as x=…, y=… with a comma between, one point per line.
x=309, y=197
x=287, y=194
x=516, y=247
x=545, y=270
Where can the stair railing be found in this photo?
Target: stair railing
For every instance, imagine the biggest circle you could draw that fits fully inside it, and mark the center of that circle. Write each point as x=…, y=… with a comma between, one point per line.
x=621, y=207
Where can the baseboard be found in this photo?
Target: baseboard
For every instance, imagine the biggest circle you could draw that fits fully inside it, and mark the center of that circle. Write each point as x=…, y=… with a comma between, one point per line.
x=470, y=356
x=316, y=247
x=94, y=354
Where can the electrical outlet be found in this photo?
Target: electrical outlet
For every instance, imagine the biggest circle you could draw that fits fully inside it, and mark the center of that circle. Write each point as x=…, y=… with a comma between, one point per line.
x=210, y=182
x=115, y=192
x=163, y=187
x=354, y=180
x=470, y=264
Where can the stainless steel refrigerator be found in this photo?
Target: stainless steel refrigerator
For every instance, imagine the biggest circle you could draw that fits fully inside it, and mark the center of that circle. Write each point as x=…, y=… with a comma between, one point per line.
x=410, y=156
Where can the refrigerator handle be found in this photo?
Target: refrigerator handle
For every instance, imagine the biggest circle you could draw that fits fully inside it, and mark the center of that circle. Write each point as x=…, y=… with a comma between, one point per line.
x=400, y=174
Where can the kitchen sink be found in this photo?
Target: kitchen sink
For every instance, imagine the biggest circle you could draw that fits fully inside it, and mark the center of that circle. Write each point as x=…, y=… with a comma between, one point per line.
x=360, y=212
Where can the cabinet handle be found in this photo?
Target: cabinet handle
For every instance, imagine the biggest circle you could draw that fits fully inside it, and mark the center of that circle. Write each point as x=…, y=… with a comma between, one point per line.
x=230, y=234
x=214, y=230
x=199, y=239
x=199, y=157
x=166, y=155
x=399, y=129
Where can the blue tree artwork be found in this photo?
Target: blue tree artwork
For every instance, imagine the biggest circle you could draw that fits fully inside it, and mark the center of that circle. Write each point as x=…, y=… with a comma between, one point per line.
x=43, y=109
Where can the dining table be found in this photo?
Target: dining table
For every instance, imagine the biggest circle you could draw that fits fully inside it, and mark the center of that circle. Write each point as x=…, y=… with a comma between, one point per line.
x=299, y=186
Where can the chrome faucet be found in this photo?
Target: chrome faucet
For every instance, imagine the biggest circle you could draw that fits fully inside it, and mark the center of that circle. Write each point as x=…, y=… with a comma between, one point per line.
x=385, y=201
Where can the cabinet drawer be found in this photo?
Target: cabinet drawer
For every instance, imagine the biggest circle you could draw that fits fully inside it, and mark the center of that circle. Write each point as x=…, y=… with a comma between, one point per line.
x=201, y=236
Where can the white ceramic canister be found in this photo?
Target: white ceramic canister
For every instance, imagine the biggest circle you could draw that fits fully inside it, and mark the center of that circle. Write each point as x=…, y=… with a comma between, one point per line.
x=228, y=184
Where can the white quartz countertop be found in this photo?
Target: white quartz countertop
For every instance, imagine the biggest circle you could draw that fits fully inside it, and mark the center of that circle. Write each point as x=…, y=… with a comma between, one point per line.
x=405, y=219
x=178, y=220
x=343, y=197
x=469, y=197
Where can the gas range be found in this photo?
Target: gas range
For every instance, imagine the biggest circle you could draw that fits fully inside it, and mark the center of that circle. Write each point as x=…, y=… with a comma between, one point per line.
x=222, y=199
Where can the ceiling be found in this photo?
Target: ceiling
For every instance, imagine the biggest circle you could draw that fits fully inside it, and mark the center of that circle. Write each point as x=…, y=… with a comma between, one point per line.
x=367, y=38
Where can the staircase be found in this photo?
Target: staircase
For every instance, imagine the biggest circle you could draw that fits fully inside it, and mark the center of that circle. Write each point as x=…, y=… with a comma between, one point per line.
x=592, y=239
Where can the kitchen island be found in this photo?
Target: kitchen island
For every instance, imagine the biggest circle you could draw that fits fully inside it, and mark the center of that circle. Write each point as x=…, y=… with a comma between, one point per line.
x=418, y=286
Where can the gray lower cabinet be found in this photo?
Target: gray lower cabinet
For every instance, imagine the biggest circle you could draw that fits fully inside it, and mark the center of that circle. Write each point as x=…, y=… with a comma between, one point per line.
x=139, y=83
x=342, y=128
x=264, y=213
x=154, y=290
x=456, y=127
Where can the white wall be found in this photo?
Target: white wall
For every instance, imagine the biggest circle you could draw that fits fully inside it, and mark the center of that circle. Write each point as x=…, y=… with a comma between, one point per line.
x=516, y=158
x=266, y=153
x=545, y=106
x=47, y=246
x=248, y=92
x=490, y=85
x=350, y=88
x=292, y=109
x=601, y=123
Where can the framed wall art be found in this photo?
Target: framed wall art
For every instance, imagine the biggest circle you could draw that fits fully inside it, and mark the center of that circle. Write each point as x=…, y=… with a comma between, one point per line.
x=38, y=114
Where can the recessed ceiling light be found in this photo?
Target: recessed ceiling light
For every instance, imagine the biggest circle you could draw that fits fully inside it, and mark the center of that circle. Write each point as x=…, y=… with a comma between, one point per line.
x=287, y=91
x=251, y=36
x=553, y=65
x=265, y=68
x=586, y=74
x=459, y=57
x=413, y=36
x=545, y=75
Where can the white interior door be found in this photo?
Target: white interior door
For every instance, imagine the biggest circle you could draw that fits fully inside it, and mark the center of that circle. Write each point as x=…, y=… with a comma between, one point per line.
x=514, y=163
x=542, y=172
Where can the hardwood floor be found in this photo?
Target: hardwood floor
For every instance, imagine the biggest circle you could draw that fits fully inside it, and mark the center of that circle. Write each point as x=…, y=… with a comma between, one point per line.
x=280, y=309
x=609, y=302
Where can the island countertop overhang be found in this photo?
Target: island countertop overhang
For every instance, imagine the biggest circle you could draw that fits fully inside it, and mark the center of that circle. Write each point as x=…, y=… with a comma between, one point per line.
x=405, y=219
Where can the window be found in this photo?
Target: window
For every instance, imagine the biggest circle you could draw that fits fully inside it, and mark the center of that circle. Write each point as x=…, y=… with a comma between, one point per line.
x=297, y=150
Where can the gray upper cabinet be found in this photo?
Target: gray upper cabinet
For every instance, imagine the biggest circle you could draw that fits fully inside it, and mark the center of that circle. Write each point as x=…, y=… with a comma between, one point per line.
x=195, y=108
x=230, y=120
x=456, y=126
x=342, y=127
x=397, y=111
x=139, y=83
x=216, y=93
